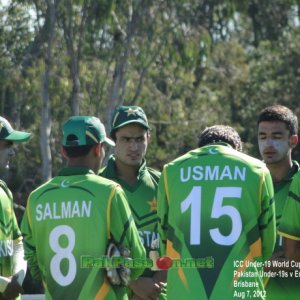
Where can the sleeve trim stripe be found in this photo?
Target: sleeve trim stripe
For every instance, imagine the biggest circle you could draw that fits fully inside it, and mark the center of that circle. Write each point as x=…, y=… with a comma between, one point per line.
x=292, y=237
x=294, y=196
x=108, y=211
x=103, y=290
x=262, y=227
x=262, y=178
x=126, y=226
x=260, y=191
x=266, y=210
x=166, y=184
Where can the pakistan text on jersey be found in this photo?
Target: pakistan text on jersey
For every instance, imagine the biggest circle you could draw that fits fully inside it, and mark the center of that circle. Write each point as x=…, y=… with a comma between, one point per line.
x=148, y=237
x=63, y=210
x=199, y=173
x=6, y=248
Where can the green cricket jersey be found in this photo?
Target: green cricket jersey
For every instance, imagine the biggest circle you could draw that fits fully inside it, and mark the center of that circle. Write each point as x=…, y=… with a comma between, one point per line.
x=67, y=225
x=9, y=231
x=290, y=222
x=281, y=287
x=217, y=218
x=142, y=200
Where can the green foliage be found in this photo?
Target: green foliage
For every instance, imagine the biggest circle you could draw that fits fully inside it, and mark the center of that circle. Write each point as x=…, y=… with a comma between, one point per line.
x=190, y=64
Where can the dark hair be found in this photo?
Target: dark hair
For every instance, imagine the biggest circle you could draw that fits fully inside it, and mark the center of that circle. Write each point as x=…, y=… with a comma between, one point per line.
x=78, y=151
x=220, y=134
x=280, y=113
x=113, y=132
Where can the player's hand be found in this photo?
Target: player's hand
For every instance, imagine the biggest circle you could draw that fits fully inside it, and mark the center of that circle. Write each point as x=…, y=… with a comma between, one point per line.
x=146, y=288
x=13, y=289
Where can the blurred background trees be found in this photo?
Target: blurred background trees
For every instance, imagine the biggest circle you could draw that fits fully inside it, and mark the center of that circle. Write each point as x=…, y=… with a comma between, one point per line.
x=189, y=64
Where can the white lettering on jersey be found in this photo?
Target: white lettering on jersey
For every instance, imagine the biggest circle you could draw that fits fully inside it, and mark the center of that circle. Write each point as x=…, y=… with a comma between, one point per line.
x=147, y=237
x=198, y=173
x=63, y=210
x=6, y=248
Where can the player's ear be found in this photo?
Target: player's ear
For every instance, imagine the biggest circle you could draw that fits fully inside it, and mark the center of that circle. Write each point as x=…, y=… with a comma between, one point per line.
x=97, y=149
x=294, y=140
x=148, y=136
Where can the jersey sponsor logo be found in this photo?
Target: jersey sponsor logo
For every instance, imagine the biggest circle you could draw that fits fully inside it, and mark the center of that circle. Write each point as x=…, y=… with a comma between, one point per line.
x=198, y=173
x=63, y=210
x=6, y=248
x=149, y=238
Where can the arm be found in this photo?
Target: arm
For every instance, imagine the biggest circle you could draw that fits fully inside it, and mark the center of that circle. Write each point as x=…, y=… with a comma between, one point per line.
x=124, y=231
x=20, y=264
x=292, y=249
x=289, y=226
x=150, y=288
x=29, y=245
x=162, y=212
x=267, y=218
x=11, y=287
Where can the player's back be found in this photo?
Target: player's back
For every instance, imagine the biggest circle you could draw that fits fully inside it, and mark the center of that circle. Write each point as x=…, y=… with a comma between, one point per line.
x=69, y=218
x=218, y=207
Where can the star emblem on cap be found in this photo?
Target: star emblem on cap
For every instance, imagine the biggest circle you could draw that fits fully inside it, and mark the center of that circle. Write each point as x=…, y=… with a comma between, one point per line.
x=131, y=111
x=153, y=205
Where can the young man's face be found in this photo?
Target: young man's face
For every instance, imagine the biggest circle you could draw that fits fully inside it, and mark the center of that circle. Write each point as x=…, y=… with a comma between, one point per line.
x=131, y=144
x=274, y=141
x=6, y=152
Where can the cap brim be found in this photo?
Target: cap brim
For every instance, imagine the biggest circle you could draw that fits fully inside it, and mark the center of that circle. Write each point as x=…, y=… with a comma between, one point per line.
x=109, y=142
x=18, y=136
x=131, y=122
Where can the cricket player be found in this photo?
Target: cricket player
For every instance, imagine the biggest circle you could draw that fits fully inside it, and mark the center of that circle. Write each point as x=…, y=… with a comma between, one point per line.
x=277, y=133
x=131, y=133
x=12, y=264
x=290, y=226
x=70, y=220
x=217, y=220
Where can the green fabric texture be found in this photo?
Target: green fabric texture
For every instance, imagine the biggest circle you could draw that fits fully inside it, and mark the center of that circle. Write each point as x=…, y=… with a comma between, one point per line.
x=124, y=115
x=84, y=130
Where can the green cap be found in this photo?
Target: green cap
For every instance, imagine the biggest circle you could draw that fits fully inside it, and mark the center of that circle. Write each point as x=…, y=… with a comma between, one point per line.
x=124, y=115
x=84, y=130
x=7, y=133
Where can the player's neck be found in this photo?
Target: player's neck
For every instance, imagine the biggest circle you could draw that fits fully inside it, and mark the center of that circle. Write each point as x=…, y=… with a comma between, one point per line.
x=82, y=163
x=127, y=173
x=280, y=170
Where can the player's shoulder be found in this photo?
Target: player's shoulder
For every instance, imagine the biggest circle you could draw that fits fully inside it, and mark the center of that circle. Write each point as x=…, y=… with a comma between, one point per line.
x=180, y=159
x=154, y=173
x=4, y=187
x=44, y=186
x=228, y=153
x=252, y=164
x=296, y=176
x=102, y=182
x=249, y=160
x=295, y=185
